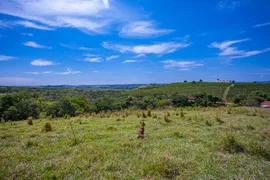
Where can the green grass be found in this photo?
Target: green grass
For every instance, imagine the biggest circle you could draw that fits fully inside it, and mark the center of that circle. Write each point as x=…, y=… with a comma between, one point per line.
x=195, y=146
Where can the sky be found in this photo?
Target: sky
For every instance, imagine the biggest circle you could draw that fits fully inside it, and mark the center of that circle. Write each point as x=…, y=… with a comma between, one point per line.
x=87, y=42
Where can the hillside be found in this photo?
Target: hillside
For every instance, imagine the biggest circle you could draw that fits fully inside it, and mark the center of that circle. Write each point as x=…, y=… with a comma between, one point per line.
x=215, y=89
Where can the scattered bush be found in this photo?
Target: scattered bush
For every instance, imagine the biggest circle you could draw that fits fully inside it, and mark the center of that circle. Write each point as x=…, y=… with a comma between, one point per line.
x=144, y=115
x=231, y=145
x=257, y=149
x=48, y=127
x=30, y=121
x=166, y=117
x=218, y=119
x=149, y=112
x=229, y=111
x=182, y=114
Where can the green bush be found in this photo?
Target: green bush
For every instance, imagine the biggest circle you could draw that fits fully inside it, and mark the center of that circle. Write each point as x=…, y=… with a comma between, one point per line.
x=30, y=121
x=48, y=127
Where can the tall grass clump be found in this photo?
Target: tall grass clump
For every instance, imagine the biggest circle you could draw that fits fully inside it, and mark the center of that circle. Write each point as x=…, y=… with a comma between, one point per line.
x=47, y=127
x=149, y=114
x=30, y=121
x=231, y=145
x=218, y=119
x=166, y=117
x=144, y=115
x=257, y=149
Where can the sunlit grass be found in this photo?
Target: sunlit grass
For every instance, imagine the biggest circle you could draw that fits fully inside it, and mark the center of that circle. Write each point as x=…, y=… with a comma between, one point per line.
x=206, y=143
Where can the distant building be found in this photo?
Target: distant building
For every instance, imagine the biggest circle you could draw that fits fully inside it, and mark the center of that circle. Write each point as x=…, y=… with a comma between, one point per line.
x=191, y=98
x=225, y=81
x=265, y=104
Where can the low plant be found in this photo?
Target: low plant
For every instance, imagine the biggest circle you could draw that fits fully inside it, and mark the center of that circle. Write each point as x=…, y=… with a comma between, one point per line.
x=166, y=117
x=144, y=115
x=30, y=121
x=231, y=145
x=218, y=119
x=149, y=114
x=47, y=127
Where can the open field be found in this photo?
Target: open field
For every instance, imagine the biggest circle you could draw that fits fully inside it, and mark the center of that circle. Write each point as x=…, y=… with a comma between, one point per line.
x=206, y=143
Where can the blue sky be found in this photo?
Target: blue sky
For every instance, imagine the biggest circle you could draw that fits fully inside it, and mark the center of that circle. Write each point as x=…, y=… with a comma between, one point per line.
x=49, y=42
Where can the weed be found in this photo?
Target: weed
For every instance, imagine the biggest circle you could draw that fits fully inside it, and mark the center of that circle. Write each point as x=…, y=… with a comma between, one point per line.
x=249, y=127
x=257, y=149
x=166, y=117
x=218, y=119
x=229, y=111
x=144, y=115
x=149, y=114
x=231, y=145
x=208, y=123
x=178, y=135
x=30, y=121
x=48, y=127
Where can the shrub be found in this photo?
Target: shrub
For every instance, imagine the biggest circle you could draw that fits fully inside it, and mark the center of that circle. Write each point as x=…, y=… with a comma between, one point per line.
x=218, y=119
x=144, y=115
x=229, y=111
x=230, y=144
x=154, y=116
x=47, y=127
x=182, y=114
x=149, y=112
x=30, y=121
x=166, y=117
x=257, y=149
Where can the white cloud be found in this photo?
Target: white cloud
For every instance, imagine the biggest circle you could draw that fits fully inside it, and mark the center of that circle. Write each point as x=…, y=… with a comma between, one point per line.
x=6, y=58
x=35, y=45
x=4, y=24
x=106, y=3
x=34, y=73
x=41, y=62
x=143, y=29
x=112, y=57
x=264, y=24
x=90, y=16
x=181, y=65
x=129, y=61
x=233, y=52
x=85, y=48
x=95, y=71
x=15, y=81
x=160, y=48
x=68, y=72
x=93, y=59
x=27, y=34
x=228, y=4
x=29, y=24
x=74, y=46
x=139, y=56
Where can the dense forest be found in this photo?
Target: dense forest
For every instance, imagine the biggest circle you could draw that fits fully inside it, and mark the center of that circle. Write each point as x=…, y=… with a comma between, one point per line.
x=19, y=103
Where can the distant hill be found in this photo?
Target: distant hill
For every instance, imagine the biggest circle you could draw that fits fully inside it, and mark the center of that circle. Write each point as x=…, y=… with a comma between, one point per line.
x=216, y=89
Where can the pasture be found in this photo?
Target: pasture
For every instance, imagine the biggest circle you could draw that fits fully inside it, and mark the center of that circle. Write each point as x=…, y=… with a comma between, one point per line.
x=205, y=143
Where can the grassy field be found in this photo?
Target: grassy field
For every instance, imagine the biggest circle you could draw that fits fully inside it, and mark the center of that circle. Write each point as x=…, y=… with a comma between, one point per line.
x=196, y=143
x=215, y=89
